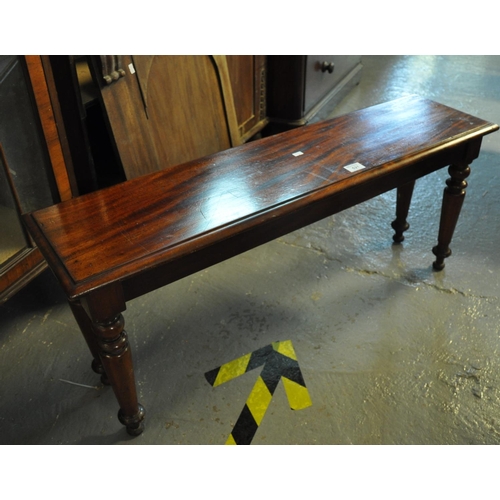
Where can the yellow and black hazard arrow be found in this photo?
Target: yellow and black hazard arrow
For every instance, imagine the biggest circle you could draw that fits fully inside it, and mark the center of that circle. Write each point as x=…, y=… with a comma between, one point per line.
x=280, y=363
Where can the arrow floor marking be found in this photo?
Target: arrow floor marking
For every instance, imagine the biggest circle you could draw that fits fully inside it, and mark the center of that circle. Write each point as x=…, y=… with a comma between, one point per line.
x=280, y=363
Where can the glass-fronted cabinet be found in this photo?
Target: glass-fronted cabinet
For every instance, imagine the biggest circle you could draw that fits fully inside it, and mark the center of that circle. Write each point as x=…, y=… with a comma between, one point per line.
x=29, y=150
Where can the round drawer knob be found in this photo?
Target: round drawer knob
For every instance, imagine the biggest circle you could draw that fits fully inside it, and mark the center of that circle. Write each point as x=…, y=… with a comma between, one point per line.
x=326, y=66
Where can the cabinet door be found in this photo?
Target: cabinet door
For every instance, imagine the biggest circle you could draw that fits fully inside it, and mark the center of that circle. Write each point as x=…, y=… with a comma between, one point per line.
x=30, y=153
x=166, y=110
x=248, y=82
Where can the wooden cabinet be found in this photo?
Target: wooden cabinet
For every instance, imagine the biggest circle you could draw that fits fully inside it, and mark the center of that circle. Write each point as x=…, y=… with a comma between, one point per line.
x=299, y=87
x=166, y=110
x=33, y=171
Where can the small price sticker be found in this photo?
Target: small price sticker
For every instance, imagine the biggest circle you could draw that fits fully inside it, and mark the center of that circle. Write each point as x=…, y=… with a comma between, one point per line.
x=354, y=167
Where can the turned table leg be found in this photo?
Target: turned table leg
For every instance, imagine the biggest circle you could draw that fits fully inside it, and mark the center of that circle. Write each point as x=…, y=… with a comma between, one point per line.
x=403, y=200
x=104, y=306
x=89, y=335
x=453, y=198
x=116, y=358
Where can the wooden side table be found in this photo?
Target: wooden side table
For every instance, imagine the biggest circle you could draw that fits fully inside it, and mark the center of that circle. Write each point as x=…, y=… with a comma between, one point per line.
x=113, y=245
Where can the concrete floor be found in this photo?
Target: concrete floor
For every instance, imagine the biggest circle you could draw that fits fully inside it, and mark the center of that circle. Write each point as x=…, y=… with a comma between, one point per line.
x=391, y=352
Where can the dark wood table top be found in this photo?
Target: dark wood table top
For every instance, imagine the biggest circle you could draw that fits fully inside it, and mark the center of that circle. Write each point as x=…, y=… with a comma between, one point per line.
x=117, y=232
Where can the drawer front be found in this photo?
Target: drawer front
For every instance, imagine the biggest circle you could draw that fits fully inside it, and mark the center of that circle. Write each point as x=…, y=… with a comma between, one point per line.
x=323, y=73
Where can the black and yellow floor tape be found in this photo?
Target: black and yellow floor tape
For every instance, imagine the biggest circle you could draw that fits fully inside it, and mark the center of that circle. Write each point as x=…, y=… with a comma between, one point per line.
x=280, y=363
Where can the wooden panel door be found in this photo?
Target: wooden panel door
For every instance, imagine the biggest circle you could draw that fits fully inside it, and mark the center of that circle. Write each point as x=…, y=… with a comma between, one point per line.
x=166, y=110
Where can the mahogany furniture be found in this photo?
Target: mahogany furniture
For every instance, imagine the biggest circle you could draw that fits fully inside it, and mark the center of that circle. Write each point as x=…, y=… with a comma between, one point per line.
x=116, y=244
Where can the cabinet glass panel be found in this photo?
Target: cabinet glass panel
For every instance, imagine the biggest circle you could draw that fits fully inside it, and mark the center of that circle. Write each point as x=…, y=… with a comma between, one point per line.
x=26, y=183
x=12, y=239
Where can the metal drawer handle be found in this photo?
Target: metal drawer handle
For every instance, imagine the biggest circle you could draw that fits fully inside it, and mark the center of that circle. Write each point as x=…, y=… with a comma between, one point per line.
x=326, y=66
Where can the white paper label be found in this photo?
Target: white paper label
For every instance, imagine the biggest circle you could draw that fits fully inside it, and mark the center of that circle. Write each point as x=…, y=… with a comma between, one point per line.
x=131, y=68
x=298, y=153
x=354, y=167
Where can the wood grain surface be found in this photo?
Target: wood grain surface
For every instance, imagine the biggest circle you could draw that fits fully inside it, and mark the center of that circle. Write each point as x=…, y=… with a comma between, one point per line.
x=212, y=208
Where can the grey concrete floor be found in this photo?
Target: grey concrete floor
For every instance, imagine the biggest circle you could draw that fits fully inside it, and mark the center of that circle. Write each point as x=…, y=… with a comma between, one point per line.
x=391, y=352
